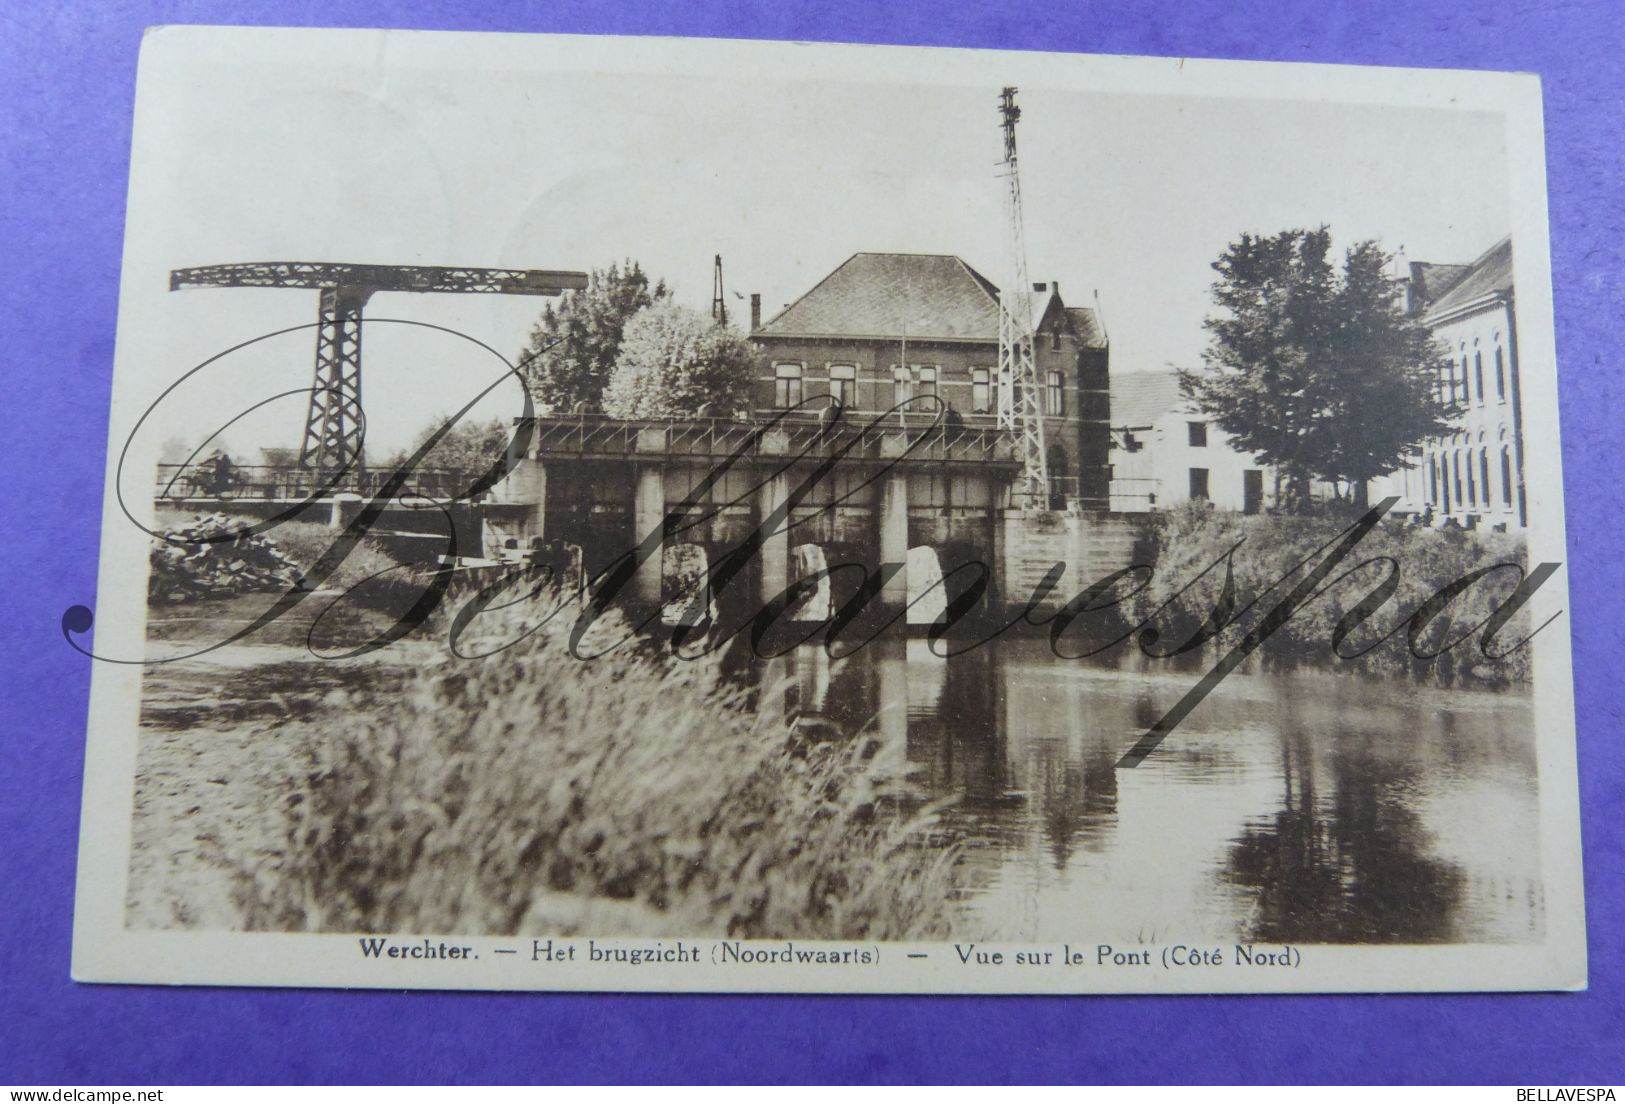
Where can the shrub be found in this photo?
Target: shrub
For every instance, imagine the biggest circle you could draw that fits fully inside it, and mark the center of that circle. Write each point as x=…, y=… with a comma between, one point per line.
x=1190, y=539
x=304, y=542
x=534, y=792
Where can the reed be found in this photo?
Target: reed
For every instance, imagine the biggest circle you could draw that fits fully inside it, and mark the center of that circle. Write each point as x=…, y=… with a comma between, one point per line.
x=533, y=792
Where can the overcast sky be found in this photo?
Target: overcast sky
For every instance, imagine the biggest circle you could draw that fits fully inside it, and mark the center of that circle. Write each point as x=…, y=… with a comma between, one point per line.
x=1133, y=195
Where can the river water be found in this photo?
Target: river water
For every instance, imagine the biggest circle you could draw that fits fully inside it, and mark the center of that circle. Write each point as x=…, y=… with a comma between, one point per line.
x=1305, y=807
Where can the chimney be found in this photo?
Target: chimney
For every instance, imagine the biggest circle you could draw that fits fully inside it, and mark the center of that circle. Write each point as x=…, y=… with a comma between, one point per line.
x=755, y=311
x=1409, y=294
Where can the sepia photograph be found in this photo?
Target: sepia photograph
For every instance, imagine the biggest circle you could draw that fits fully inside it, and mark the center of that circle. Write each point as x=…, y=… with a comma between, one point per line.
x=605, y=514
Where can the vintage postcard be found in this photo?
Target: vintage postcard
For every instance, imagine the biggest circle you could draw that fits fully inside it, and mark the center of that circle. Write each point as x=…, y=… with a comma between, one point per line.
x=644, y=514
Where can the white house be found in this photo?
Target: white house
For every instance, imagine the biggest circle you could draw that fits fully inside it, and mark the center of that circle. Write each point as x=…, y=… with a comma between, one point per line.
x=1164, y=452
x=1473, y=476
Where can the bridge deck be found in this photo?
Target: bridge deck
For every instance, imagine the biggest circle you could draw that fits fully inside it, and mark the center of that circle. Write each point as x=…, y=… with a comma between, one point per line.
x=985, y=448
x=191, y=485
x=597, y=437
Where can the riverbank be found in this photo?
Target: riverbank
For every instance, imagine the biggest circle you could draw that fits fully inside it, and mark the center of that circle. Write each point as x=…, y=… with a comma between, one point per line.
x=1267, y=564
x=216, y=730
x=536, y=793
x=408, y=790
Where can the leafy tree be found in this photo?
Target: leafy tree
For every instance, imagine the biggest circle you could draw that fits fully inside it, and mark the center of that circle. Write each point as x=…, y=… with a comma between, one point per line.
x=1317, y=369
x=676, y=362
x=467, y=446
x=573, y=346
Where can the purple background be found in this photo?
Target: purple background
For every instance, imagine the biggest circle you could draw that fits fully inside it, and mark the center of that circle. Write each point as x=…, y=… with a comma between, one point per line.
x=67, y=73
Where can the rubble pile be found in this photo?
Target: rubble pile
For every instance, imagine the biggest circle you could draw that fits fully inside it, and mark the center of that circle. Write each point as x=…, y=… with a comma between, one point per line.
x=187, y=564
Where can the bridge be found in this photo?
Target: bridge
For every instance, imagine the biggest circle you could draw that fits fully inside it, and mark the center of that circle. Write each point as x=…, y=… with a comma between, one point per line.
x=931, y=497
x=194, y=486
x=897, y=491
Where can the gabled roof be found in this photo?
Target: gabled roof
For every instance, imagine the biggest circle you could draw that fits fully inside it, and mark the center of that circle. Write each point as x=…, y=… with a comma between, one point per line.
x=1043, y=303
x=1491, y=273
x=1086, y=324
x=1141, y=399
x=1433, y=280
x=918, y=295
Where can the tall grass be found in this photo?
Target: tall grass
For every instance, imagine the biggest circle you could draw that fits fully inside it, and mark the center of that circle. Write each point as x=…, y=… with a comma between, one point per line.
x=368, y=565
x=1190, y=539
x=532, y=792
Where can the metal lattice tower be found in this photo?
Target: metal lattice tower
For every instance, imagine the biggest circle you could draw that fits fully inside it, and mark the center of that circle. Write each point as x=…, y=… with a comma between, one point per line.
x=333, y=426
x=1019, y=395
x=719, y=305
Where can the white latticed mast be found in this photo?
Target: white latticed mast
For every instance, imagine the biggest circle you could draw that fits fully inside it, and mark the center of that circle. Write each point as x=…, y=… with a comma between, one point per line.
x=1019, y=396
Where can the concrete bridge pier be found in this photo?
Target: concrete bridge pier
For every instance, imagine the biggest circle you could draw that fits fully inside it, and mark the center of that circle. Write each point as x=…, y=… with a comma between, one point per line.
x=517, y=511
x=775, y=552
x=893, y=522
x=335, y=511
x=648, y=516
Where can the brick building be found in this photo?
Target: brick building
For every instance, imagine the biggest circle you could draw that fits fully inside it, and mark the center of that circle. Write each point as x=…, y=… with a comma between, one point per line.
x=884, y=327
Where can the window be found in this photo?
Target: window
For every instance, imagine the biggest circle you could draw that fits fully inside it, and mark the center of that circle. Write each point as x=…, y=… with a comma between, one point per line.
x=927, y=379
x=1055, y=337
x=1060, y=482
x=1196, y=434
x=1198, y=484
x=1433, y=479
x=1055, y=395
x=1456, y=464
x=981, y=391
x=1472, y=483
x=1484, y=473
x=1461, y=395
x=1506, y=475
x=1478, y=373
x=1500, y=374
x=786, y=385
x=843, y=384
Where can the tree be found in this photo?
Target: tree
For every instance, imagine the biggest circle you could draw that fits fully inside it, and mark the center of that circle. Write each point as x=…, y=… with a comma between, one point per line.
x=1317, y=370
x=471, y=447
x=573, y=346
x=676, y=362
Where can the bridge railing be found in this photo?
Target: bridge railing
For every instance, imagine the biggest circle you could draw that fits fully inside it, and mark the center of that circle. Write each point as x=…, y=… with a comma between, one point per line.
x=1134, y=494
x=907, y=442
x=289, y=483
x=715, y=438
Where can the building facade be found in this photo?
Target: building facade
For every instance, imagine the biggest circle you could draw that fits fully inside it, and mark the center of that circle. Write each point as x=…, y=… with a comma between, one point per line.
x=886, y=327
x=1165, y=453
x=1474, y=476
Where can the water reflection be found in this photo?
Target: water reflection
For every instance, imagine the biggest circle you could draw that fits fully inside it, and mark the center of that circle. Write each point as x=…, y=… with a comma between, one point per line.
x=1288, y=808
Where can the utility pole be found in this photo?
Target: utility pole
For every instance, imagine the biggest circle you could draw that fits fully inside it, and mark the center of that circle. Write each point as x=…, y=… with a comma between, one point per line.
x=1019, y=394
